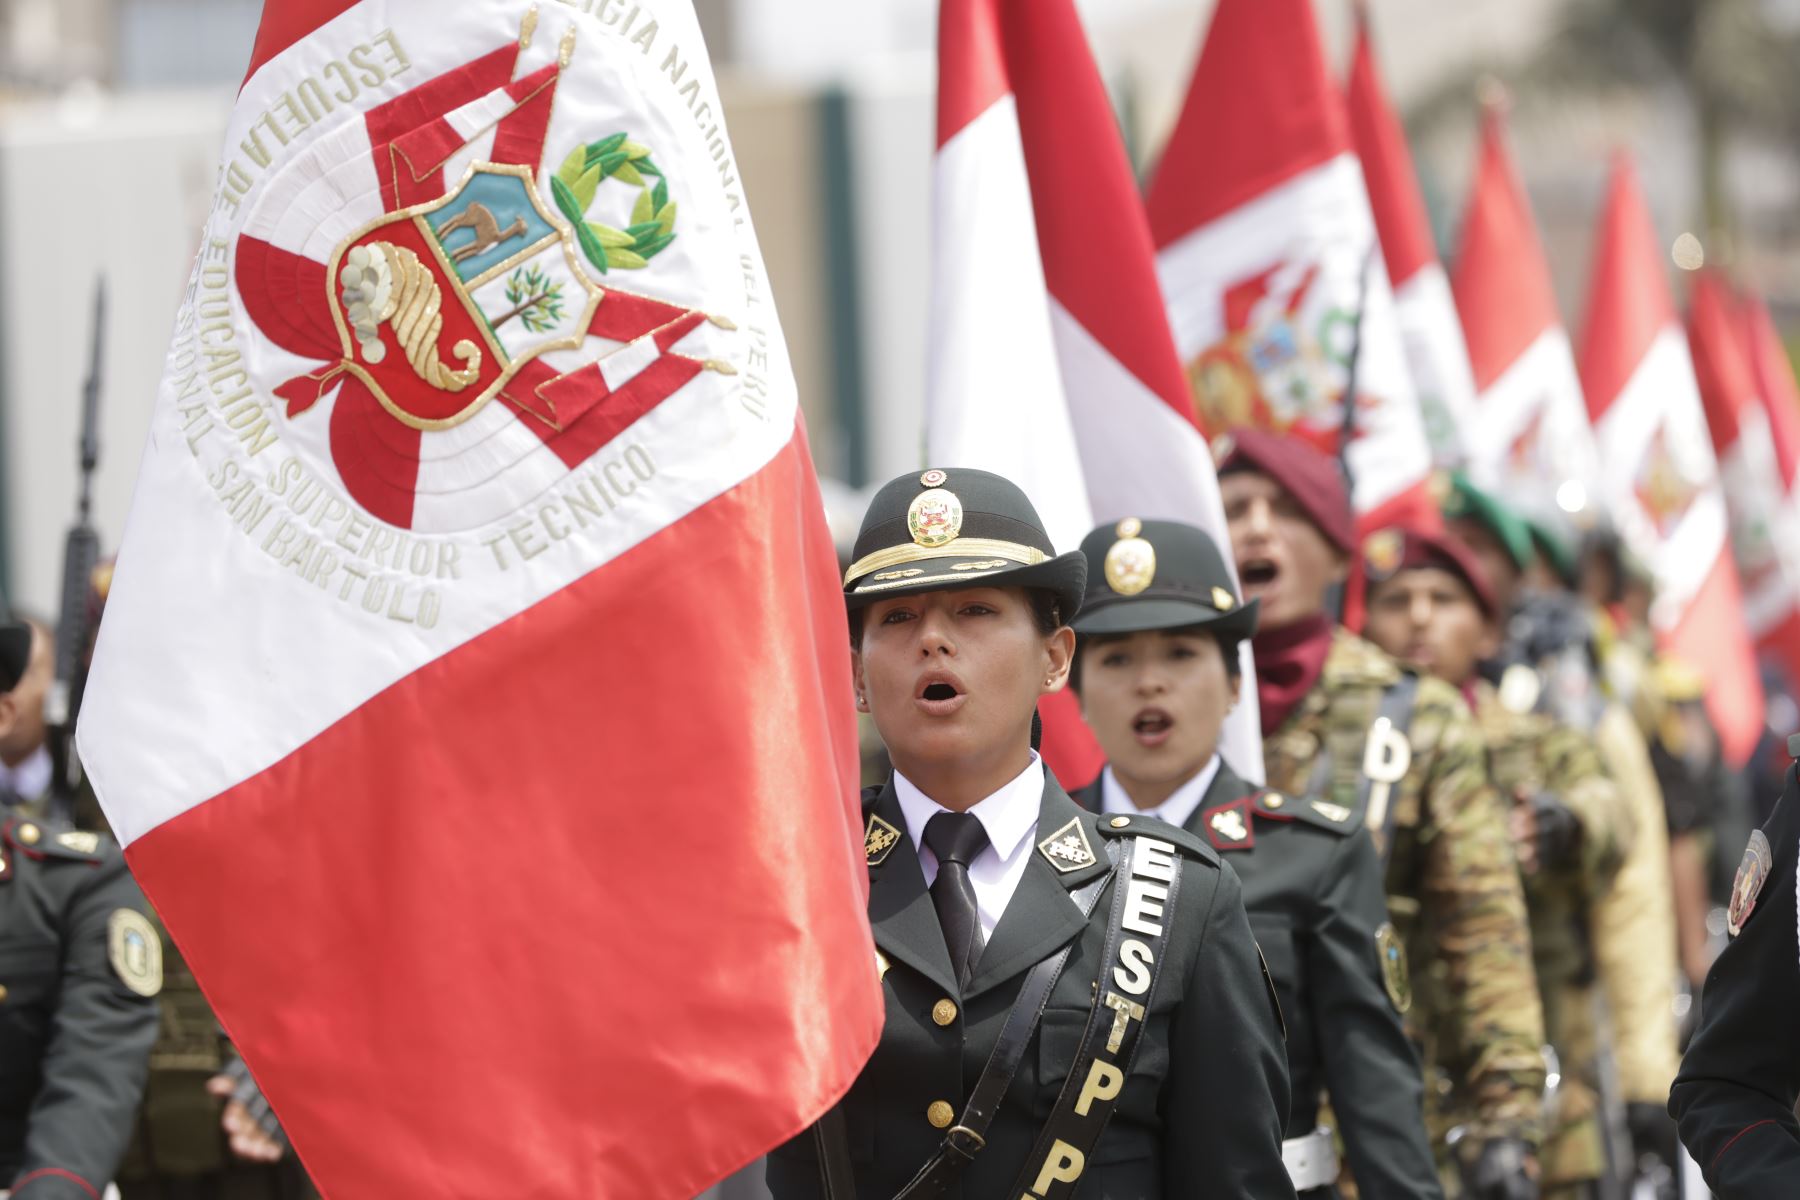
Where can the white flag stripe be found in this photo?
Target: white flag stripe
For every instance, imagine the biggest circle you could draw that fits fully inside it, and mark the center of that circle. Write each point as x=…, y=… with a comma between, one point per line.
x=995, y=392
x=1660, y=402
x=1433, y=338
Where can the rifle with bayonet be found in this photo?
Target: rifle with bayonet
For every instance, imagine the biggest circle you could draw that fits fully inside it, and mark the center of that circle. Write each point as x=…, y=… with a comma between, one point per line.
x=74, y=626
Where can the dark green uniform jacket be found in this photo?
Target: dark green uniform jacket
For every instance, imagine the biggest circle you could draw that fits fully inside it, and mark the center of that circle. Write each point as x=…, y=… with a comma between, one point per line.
x=79, y=969
x=1201, y=1112
x=1734, y=1097
x=1313, y=889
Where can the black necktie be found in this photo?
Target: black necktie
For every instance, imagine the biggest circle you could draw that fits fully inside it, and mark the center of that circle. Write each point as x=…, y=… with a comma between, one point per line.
x=956, y=838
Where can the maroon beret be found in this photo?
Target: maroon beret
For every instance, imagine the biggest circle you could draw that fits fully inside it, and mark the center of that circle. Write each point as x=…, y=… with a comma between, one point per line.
x=1311, y=478
x=1387, y=552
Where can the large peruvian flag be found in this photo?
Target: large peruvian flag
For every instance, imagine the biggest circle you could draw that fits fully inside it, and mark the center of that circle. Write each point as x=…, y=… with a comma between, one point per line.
x=1763, y=526
x=1051, y=367
x=473, y=697
x=1267, y=251
x=1662, y=481
x=1530, y=437
x=1423, y=306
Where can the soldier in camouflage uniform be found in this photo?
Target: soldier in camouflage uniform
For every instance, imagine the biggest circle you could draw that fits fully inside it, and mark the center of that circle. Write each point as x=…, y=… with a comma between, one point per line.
x=1346, y=728
x=1430, y=605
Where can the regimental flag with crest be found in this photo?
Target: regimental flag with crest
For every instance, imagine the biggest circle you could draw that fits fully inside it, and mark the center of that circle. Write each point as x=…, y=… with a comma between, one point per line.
x=1267, y=251
x=1780, y=397
x=1530, y=439
x=1056, y=369
x=476, y=625
x=1765, y=536
x=1662, y=480
x=1423, y=306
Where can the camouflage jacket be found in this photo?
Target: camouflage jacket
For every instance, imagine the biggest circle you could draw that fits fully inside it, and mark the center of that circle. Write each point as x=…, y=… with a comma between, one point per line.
x=1452, y=881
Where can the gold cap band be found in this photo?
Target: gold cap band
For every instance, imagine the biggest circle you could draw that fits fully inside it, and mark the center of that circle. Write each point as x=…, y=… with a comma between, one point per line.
x=894, y=556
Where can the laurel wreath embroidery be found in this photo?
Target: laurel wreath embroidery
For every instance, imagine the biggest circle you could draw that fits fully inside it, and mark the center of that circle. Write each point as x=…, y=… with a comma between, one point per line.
x=652, y=225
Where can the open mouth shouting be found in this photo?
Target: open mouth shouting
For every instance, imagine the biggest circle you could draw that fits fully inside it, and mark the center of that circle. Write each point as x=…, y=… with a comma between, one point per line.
x=1152, y=727
x=1258, y=575
x=939, y=693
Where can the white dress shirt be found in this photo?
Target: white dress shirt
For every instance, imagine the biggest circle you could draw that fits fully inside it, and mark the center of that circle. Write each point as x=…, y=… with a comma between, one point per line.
x=1175, y=810
x=30, y=779
x=1009, y=816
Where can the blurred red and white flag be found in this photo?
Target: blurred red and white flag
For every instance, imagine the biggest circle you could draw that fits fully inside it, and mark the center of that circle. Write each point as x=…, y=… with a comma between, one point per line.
x=476, y=626
x=1423, y=306
x=1055, y=368
x=1662, y=481
x=1764, y=529
x=1267, y=251
x=1530, y=438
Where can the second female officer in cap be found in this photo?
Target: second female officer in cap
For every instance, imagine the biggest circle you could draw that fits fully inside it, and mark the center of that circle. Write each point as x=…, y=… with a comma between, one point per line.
x=1156, y=669
x=1074, y=1002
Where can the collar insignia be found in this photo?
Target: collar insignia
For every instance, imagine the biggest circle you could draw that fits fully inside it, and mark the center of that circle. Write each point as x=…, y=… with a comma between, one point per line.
x=934, y=518
x=879, y=840
x=1067, y=849
x=1228, y=826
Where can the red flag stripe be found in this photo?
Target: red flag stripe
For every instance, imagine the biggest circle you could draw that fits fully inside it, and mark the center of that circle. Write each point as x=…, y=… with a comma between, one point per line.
x=1708, y=639
x=1066, y=123
x=1775, y=384
x=1629, y=304
x=1501, y=279
x=1727, y=383
x=684, y=1044
x=285, y=22
x=1399, y=206
x=1262, y=57
x=971, y=64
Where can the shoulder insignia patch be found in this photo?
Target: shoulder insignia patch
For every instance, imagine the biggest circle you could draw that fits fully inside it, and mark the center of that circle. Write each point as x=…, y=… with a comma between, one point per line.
x=80, y=842
x=1337, y=814
x=1393, y=967
x=1067, y=849
x=879, y=840
x=1228, y=826
x=135, y=951
x=1752, y=873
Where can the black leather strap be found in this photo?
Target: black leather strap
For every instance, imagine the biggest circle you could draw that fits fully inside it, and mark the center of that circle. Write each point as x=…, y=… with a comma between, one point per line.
x=965, y=1139
x=1147, y=883
x=837, y=1179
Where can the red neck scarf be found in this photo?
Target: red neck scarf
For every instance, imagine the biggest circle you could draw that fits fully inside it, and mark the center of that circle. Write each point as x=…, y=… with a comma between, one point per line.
x=1288, y=662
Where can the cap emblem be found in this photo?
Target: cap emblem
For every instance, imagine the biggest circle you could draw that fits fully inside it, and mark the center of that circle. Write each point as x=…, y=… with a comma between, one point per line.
x=1130, y=564
x=1383, y=552
x=935, y=517
x=1223, y=600
x=1222, y=447
x=933, y=478
x=1130, y=527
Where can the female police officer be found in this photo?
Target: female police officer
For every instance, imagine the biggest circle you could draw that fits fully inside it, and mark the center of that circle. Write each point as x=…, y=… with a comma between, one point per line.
x=1156, y=669
x=1074, y=1004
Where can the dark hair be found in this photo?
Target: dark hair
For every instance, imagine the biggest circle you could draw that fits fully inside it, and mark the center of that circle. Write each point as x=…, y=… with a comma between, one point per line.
x=1228, y=648
x=1046, y=614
